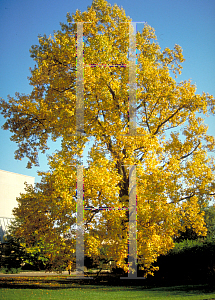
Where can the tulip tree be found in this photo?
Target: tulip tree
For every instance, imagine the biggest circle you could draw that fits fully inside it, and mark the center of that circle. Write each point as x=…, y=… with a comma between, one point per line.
x=171, y=147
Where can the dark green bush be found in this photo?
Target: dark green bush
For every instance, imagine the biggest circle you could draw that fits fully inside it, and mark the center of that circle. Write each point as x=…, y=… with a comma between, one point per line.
x=11, y=254
x=6, y=270
x=188, y=262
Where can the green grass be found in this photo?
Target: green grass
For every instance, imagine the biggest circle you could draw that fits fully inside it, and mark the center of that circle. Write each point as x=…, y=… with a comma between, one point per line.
x=59, y=287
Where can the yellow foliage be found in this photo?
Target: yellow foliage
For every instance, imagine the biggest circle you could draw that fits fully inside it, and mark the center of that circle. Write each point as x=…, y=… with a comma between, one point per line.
x=174, y=172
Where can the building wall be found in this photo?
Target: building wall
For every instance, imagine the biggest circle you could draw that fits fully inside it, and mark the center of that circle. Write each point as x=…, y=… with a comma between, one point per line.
x=11, y=185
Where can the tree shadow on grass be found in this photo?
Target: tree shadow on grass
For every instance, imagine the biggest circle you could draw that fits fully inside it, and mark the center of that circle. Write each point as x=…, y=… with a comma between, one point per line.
x=112, y=284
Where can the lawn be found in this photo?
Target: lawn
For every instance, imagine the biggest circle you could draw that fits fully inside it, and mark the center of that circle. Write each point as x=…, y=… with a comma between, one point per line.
x=59, y=287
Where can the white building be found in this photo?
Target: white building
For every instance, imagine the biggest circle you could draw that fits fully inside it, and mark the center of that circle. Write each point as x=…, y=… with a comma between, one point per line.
x=11, y=185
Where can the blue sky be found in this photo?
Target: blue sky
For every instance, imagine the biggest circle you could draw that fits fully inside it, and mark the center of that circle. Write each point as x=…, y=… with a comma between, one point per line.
x=190, y=24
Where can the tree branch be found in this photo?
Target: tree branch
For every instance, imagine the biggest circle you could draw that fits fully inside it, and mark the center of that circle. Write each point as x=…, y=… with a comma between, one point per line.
x=185, y=156
x=169, y=118
x=184, y=198
x=147, y=123
x=64, y=90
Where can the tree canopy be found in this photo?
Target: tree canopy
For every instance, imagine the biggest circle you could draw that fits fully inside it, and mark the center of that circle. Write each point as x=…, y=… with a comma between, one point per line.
x=175, y=173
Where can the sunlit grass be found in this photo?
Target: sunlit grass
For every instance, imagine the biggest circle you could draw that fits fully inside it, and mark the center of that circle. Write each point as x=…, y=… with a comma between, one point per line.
x=59, y=287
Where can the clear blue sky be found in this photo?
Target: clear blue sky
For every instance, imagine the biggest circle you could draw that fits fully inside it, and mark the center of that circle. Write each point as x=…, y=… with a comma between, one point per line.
x=189, y=23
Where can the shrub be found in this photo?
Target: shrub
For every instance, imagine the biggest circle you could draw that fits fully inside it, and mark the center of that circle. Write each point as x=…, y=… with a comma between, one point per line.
x=188, y=262
x=6, y=270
